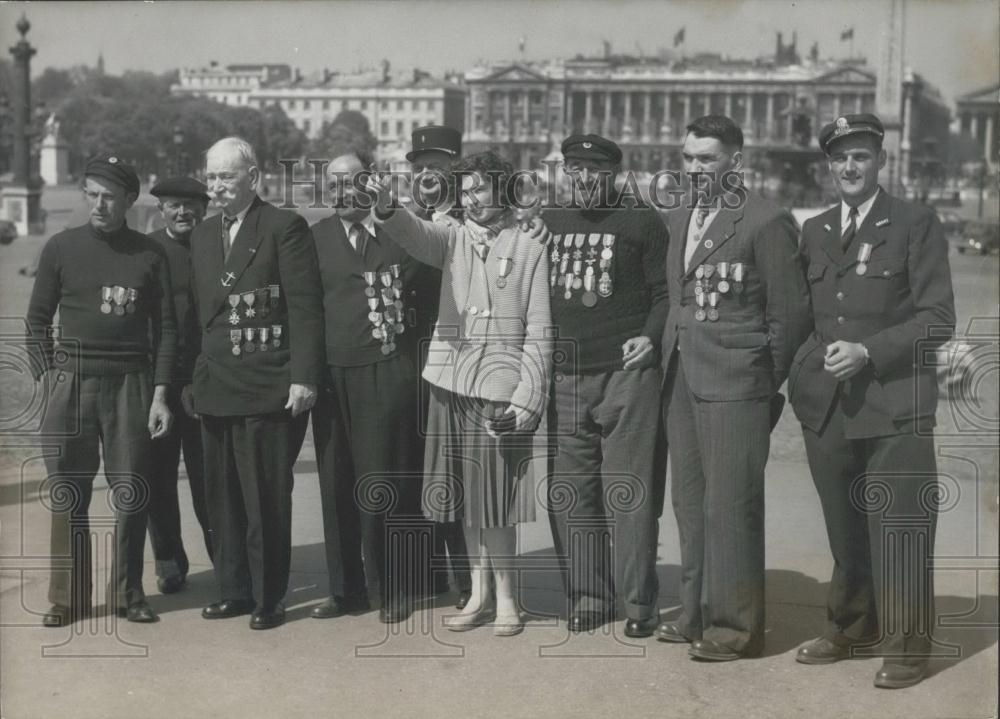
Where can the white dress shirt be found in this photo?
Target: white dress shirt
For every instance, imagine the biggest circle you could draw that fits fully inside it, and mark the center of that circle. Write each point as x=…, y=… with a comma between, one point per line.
x=695, y=233
x=368, y=223
x=863, y=209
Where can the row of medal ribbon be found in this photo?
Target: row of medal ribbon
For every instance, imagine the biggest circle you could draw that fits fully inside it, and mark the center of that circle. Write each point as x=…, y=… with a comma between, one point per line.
x=245, y=305
x=711, y=281
x=581, y=273
x=254, y=339
x=119, y=300
x=385, y=305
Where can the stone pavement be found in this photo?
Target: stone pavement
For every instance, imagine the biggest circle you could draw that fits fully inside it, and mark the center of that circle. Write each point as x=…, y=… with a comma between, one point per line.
x=185, y=666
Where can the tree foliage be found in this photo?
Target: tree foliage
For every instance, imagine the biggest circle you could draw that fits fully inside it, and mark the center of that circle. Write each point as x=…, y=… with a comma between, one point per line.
x=348, y=131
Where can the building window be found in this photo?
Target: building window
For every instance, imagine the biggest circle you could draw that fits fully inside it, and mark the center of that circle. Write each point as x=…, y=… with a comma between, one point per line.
x=431, y=106
x=414, y=125
x=326, y=104
x=385, y=128
x=306, y=104
x=364, y=104
x=291, y=104
x=306, y=126
x=399, y=128
x=383, y=105
x=399, y=105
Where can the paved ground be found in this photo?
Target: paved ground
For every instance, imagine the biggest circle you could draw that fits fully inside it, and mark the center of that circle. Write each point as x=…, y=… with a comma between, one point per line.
x=184, y=666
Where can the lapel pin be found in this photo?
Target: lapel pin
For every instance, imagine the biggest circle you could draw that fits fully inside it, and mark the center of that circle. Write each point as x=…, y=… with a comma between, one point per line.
x=708, y=244
x=882, y=222
x=253, y=250
x=827, y=228
x=228, y=279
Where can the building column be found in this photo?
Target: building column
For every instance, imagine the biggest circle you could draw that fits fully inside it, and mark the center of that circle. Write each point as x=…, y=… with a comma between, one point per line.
x=836, y=105
x=628, y=112
x=988, y=143
x=729, y=104
x=647, y=102
x=974, y=127
x=748, y=111
x=607, y=113
x=857, y=104
x=667, y=112
x=769, y=118
x=526, y=114
x=687, y=108
x=588, y=111
x=506, y=115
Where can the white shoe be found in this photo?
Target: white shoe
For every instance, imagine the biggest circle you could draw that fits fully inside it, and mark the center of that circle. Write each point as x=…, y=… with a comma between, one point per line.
x=464, y=622
x=508, y=625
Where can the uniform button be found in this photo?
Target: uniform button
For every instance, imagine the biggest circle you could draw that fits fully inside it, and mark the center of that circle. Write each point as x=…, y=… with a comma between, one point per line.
x=473, y=310
x=841, y=320
x=840, y=295
x=885, y=273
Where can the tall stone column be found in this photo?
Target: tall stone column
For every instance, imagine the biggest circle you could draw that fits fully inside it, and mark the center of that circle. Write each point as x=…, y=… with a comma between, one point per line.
x=607, y=112
x=588, y=111
x=508, y=130
x=769, y=118
x=729, y=104
x=687, y=108
x=647, y=110
x=627, y=122
x=667, y=114
x=990, y=156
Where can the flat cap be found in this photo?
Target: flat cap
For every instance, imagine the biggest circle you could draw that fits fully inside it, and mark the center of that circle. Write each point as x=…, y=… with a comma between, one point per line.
x=180, y=187
x=436, y=137
x=112, y=169
x=847, y=125
x=591, y=147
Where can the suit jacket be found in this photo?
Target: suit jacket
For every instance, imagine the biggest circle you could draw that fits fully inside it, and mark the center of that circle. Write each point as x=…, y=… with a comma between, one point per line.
x=179, y=259
x=349, y=340
x=746, y=354
x=273, y=248
x=901, y=308
x=502, y=356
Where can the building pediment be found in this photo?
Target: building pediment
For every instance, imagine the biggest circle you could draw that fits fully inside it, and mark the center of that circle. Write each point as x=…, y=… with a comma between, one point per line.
x=986, y=94
x=850, y=75
x=516, y=73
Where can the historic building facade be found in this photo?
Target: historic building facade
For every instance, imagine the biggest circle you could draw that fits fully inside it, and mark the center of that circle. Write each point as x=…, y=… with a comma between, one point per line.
x=978, y=117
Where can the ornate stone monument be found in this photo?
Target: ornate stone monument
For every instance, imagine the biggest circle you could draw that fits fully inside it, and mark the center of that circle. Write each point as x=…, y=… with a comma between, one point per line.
x=54, y=159
x=21, y=199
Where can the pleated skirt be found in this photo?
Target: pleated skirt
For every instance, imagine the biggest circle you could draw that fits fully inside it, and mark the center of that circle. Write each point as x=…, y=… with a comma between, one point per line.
x=484, y=481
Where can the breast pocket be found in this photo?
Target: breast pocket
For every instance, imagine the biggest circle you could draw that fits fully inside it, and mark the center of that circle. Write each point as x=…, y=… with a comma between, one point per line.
x=815, y=273
x=884, y=283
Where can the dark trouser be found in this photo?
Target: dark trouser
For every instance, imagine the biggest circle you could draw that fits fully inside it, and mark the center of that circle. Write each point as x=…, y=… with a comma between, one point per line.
x=164, y=510
x=86, y=413
x=363, y=424
x=248, y=485
x=602, y=492
x=879, y=498
x=718, y=451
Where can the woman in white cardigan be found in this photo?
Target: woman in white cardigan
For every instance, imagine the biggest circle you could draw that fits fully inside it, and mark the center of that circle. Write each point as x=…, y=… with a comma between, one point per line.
x=488, y=369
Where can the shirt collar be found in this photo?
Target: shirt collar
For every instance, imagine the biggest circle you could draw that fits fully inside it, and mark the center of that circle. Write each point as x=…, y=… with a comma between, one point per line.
x=368, y=223
x=863, y=209
x=242, y=213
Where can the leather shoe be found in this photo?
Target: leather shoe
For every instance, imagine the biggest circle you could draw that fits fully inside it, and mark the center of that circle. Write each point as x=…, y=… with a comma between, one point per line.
x=640, y=628
x=336, y=606
x=60, y=615
x=394, y=611
x=463, y=599
x=671, y=632
x=172, y=584
x=709, y=651
x=267, y=618
x=822, y=651
x=584, y=621
x=507, y=625
x=900, y=676
x=227, y=608
x=465, y=622
x=139, y=612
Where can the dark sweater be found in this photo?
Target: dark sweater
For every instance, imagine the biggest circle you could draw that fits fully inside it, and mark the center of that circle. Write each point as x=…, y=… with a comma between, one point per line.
x=73, y=267
x=638, y=302
x=178, y=251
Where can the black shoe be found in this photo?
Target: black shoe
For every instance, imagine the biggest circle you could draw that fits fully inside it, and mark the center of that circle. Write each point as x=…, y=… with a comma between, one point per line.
x=227, y=608
x=394, y=611
x=900, y=676
x=463, y=598
x=640, y=628
x=709, y=651
x=139, y=612
x=584, y=621
x=172, y=584
x=336, y=606
x=822, y=651
x=60, y=615
x=268, y=618
x=671, y=632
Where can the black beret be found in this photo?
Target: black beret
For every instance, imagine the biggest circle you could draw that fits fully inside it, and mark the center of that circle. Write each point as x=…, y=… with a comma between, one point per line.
x=591, y=147
x=436, y=137
x=180, y=187
x=110, y=168
x=847, y=125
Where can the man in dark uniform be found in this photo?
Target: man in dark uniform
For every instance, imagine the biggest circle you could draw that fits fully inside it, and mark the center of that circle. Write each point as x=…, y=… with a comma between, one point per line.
x=367, y=415
x=739, y=308
x=111, y=286
x=182, y=203
x=259, y=308
x=866, y=395
x=433, y=150
x=609, y=299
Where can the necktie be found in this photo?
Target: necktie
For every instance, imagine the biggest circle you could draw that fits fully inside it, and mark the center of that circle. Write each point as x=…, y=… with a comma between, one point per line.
x=227, y=223
x=851, y=231
x=699, y=218
x=360, y=236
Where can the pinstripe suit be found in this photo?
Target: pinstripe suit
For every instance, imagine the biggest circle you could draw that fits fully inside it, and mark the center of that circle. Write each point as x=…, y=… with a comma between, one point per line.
x=719, y=379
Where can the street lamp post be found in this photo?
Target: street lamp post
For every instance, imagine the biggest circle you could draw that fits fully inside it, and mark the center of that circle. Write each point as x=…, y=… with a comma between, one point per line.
x=178, y=151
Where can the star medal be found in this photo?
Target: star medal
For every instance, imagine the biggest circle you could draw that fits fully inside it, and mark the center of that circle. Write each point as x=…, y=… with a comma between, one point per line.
x=249, y=298
x=234, y=315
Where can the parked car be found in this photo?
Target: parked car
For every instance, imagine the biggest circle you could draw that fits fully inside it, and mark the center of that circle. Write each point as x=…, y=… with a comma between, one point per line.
x=979, y=236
